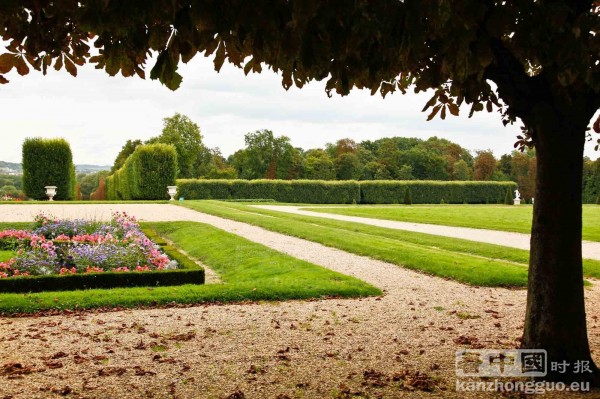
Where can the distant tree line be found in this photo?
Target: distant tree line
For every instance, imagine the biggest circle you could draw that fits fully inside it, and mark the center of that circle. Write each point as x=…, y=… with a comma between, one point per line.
x=267, y=156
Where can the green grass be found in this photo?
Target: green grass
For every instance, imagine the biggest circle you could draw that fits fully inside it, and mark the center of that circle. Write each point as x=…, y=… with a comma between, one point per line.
x=462, y=260
x=249, y=271
x=15, y=225
x=6, y=255
x=494, y=217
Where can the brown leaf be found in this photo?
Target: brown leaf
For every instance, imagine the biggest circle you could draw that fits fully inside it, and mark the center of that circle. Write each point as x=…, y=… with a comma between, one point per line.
x=434, y=112
x=70, y=67
x=453, y=108
x=58, y=355
x=596, y=123
x=59, y=63
x=108, y=371
x=11, y=369
x=7, y=62
x=141, y=372
x=3, y=80
x=220, y=57
x=54, y=365
x=21, y=66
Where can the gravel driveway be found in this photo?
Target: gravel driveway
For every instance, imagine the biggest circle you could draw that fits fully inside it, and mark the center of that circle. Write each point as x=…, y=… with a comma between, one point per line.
x=393, y=346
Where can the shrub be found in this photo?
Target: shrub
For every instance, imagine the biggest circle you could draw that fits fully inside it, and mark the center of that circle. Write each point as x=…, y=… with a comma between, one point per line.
x=432, y=192
x=48, y=162
x=100, y=193
x=299, y=191
x=145, y=175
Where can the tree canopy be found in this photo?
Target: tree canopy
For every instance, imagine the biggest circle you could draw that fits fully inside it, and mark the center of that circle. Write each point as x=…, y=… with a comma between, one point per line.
x=456, y=47
x=183, y=134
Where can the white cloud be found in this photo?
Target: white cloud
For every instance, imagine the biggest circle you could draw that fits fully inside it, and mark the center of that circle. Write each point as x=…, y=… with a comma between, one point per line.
x=97, y=113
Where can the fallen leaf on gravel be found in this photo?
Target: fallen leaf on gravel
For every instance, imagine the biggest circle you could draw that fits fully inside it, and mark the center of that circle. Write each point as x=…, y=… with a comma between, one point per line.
x=237, y=395
x=140, y=345
x=64, y=391
x=255, y=370
x=465, y=340
x=58, y=355
x=79, y=359
x=184, y=337
x=415, y=380
x=12, y=369
x=108, y=371
x=141, y=372
x=375, y=379
x=54, y=365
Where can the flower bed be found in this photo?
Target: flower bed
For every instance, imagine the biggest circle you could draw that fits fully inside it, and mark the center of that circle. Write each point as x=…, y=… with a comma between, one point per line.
x=62, y=248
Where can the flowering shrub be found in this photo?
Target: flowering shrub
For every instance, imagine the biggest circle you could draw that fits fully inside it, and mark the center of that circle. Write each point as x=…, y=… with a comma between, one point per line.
x=57, y=246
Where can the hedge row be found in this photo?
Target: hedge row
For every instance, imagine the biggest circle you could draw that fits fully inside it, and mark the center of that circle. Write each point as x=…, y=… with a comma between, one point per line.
x=299, y=191
x=48, y=162
x=435, y=192
x=188, y=273
x=346, y=192
x=145, y=175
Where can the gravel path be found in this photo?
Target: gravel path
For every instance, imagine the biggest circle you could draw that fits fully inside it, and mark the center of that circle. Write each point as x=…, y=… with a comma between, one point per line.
x=372, y=347
x=590, y=250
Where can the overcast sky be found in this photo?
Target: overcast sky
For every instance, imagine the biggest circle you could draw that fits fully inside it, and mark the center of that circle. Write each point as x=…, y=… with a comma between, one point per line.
x=97, y=113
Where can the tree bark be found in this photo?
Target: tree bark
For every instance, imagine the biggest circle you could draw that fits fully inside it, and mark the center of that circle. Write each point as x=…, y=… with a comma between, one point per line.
x=556, y=319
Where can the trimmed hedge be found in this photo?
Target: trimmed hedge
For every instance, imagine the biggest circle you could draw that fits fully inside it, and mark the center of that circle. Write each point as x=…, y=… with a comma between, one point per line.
x=48, y=162
x=188, y=273
x=434, y=192
x=145, y=175
x=298, y=191
x=348, y=191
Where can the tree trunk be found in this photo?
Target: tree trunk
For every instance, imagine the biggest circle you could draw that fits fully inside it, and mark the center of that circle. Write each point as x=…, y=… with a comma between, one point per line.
x=555, y=319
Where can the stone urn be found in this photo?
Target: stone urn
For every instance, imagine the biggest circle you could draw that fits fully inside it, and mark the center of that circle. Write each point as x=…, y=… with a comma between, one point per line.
x=172, y=190
x=50, y=192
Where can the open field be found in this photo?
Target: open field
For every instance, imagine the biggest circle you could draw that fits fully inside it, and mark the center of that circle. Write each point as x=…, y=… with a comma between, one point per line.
x=465, y=261
x=248, y=270
x=493, y=217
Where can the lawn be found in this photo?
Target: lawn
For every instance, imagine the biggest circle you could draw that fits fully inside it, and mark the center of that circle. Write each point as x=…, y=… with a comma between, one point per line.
x=6, y=255
x=493, y=217
x=462, y=260
x=249, y=272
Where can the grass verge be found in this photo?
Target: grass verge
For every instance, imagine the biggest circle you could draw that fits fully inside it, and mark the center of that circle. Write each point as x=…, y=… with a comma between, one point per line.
x=493, y=217
x=249, y=271
x=462, y=260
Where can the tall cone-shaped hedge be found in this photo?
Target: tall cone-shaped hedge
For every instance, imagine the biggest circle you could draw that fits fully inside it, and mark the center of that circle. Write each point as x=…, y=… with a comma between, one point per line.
x=145, y=175
x=48, y=162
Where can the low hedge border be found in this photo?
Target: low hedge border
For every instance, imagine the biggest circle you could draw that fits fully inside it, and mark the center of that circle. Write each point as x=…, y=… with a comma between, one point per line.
x=188, y=273
x=298, y=191
x=347, y=191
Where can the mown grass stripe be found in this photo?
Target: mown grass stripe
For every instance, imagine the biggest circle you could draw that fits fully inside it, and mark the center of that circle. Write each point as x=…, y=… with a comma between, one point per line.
x=462, y=260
